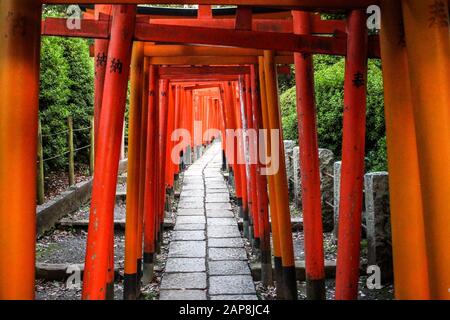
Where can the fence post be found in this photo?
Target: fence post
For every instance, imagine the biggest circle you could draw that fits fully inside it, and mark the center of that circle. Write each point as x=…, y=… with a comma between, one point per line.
x=92, y=148
x=40, y=175
x=71, y=152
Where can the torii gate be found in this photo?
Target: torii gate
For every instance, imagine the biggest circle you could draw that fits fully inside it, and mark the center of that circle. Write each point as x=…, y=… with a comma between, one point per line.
x=422, y=259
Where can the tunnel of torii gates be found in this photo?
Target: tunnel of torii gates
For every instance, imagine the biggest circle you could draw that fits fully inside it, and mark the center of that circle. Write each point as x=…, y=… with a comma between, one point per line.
x=221, y=70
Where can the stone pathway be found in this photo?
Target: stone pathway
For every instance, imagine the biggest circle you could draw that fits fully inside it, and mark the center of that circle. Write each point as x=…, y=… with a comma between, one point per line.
x=207, y=258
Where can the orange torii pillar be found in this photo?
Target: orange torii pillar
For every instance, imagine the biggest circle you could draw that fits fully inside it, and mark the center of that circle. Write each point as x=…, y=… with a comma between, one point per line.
x=238, y=112
x=170, y=127
x=266, y=158
x=352, y=177
x=134, y=171
x=250, y=139
x=409, y=246
x=427, y=38
x=231, y=144
x=261, y=184
x=164, y=93
x=142, y=170
x=20, y=22
x=100, y=53
x=289, y=282
x=224, y=128
x=309, y=165
x=151, y=191
x=101, y=219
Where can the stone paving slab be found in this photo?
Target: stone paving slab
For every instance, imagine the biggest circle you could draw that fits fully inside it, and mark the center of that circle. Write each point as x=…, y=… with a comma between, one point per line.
x=217, y=197
x=217, y=190
x=222, y=222
x=218, y=254
x=220, y=285
x=223, y=232
x=219, y=213
x=225, y=243
x=187, y=249
x=184, y=281
x=198, y=199
x=218, y=205
x=239, y=267
x=192, y=193
x=193, y=187
x=190, y=205
x=185, y=265
x=191, y=219
x=235, y=297
x=190, y=212
x=182, y=295
x=188, y=235
x=190, y=226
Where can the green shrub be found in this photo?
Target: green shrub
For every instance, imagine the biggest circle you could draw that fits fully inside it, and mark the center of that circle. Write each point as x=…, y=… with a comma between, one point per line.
x=329, y=90
x=66, y=89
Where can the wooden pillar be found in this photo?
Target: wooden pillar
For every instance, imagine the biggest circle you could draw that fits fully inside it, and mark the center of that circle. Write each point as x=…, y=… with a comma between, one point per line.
x=150, y=178
x=261, y=184
x=271, y=183
x=409, y=247
x=309, y=164
x=101, y=220
x=133, y=173
x=352, y=176
x=280, y=181
x=428, y=45
x=20, y=22
x=101, y=55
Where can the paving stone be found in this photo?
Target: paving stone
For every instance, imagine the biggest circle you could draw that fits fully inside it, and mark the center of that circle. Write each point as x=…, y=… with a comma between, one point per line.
x=227, y=254
x=190, y=219
x=215, y=190
x=187, y=249
x=188, y=235
x=190, y=212
x=184, y=198
x=192, y=193
x=217, y=197
x=190, y=226
x=220, y=285
x=183, y=295
x=184, y=281
x=185, y=265
x=193, y=187
x=218, y=205
x=216, y=185
x=222, y=222
x=190, y=205
x=236, y=267
x=223, y=232
x=225, y=243
x=218, y=213
x=215, y=178
x=235, y=297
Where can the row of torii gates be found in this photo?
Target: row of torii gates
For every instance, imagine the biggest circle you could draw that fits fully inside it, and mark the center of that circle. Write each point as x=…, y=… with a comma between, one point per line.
x=230, y=83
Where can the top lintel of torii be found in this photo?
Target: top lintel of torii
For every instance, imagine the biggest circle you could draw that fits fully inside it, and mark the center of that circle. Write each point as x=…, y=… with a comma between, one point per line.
x=293, y=4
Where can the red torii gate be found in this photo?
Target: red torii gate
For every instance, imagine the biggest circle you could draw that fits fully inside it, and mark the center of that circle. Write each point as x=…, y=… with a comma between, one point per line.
x=19, y=65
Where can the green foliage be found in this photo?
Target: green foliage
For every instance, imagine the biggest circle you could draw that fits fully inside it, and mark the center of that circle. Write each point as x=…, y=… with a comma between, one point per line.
x=329, y=90
x=66, y=89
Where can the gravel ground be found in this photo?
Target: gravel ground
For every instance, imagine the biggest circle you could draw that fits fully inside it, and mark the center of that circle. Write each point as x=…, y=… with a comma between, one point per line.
x=67, y=245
